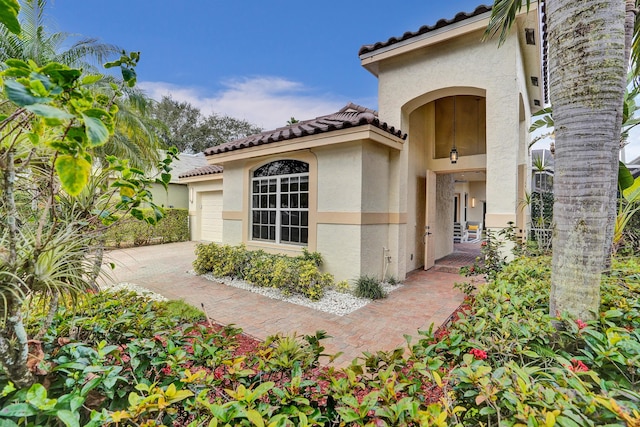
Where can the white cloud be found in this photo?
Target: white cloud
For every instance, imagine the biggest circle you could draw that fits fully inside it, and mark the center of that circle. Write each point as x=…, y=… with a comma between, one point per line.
x=265, y=101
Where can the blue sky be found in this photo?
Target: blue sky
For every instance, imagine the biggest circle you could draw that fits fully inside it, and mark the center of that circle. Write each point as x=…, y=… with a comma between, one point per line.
x=263, y=61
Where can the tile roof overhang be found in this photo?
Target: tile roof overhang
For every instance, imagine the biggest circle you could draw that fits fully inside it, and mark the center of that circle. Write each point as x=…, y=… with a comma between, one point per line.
x=349, y=123
x=481, y=10
x=203, y=173
x=461, y=23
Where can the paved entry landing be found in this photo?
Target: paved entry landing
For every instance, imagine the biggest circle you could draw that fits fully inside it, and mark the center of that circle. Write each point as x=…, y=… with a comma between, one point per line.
x=427, y=297
x=463, y=254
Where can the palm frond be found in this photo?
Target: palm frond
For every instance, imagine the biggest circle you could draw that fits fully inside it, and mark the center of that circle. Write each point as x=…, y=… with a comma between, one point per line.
x=503, y=15
x=635, y=48
x=539, y=138
x=88, y=51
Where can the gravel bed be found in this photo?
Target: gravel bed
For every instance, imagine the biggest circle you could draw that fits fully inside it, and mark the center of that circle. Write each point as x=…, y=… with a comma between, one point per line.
x=125, y=286
x=333, y=302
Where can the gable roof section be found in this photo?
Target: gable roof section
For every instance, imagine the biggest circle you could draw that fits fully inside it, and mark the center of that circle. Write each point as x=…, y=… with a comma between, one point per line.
x=205, y=170
x=185, y=163
x=461, y=16
x=349, y=116
x=371, y=51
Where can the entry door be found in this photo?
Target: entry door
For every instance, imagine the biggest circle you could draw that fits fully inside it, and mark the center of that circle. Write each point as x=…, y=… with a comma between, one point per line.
x=430, y=221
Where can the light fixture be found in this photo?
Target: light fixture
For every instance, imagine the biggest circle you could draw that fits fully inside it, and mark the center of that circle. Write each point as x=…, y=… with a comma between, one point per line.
x=453, y=154
x=473, y=202
x=530, y=36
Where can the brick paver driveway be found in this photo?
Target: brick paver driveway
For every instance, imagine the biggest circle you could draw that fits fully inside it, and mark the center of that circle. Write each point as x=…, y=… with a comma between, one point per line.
x=427, y=297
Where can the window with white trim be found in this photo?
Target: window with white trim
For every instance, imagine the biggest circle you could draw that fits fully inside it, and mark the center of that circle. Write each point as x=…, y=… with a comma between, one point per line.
x=280, y=202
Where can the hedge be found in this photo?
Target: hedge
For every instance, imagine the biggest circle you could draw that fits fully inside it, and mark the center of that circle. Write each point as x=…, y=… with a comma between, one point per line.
x=174, y=227
x=292, y=275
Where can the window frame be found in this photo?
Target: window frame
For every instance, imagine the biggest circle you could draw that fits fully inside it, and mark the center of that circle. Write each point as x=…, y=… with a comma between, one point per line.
x=279, y=211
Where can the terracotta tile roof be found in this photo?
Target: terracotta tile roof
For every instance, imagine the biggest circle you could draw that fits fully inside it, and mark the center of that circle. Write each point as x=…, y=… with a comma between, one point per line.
x=461, y=16
x=350, y=116
x=545, y=53
x=205, y=170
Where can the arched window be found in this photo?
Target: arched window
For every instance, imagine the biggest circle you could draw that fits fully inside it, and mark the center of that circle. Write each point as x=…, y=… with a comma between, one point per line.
x=280, y=202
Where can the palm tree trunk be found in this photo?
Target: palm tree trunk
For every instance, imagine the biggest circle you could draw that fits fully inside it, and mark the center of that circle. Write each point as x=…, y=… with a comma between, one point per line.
x=629, y=27
x=587, y=59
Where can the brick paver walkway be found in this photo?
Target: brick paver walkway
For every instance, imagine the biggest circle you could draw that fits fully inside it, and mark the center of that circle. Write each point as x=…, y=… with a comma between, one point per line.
x=427, y=297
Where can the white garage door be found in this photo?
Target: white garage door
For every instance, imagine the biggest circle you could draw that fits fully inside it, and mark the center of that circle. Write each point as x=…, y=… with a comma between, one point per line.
x=211, y=216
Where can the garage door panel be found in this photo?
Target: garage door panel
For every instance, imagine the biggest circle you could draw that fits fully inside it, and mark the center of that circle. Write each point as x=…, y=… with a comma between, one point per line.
x=211, y=216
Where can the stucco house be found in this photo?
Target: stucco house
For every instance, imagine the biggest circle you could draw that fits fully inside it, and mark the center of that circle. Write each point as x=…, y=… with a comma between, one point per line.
x=378, y=193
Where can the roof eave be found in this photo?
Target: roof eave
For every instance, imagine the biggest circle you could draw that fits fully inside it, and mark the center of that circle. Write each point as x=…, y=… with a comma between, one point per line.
x=356, y=133
x=201, y=178
x=371, y=59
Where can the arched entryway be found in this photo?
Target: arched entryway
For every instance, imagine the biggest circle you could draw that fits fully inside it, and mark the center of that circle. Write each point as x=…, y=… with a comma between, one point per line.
x=446, y=175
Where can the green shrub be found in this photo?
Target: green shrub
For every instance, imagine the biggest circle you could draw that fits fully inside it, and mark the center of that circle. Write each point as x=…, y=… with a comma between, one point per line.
x=517, y=365
x=369, y=287
x=174, y=227
x=501, y=361
x=259, y=269
x=292, y=275
x=343, y=287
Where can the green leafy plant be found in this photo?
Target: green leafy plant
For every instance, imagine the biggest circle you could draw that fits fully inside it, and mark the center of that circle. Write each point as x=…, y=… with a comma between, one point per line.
x=52, y=123
x=495, y=253
x=369, y=287
x=300, y=275
x=502, y=360
x=174, y=227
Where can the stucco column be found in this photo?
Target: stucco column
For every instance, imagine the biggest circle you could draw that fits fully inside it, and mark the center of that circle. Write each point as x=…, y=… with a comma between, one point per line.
x=502, y=158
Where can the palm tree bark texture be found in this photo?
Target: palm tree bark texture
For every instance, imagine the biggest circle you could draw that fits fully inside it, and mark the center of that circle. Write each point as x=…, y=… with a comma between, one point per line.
x=588, y=67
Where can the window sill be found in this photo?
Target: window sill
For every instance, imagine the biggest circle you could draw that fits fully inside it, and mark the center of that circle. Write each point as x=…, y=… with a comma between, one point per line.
x=275, y=247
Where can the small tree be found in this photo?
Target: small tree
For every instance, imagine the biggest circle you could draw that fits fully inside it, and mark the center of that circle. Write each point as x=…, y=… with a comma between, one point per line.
x=182, y=125
x=51, y=124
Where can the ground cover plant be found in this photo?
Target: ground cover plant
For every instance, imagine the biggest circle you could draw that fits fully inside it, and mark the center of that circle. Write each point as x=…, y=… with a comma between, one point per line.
x=126, y=360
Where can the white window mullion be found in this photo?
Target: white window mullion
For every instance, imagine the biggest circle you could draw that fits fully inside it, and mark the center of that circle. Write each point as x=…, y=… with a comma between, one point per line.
x=278, y=194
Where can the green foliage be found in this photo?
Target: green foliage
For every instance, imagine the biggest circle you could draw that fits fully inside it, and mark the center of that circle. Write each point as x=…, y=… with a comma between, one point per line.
x=343, y=286
x=628, y=208
x=369, y=287
x=161, y=369
x=54, y=204
x=184, y=126
x=174, y=227
x=292, y=275
x=629, y=244
x=220, y=260
x=503, y=360
x=181, y=310
x=541, y=209
x=289, y=352
x=517, y=364
x=494, y=253
x=9, y=15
